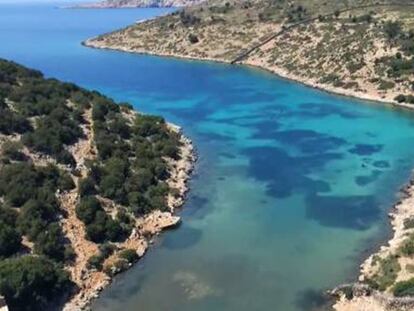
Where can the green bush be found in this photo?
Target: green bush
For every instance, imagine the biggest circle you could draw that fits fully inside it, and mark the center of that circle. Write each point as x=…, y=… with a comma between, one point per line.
x=95, y=262
x=387, y=273
x=12, y=151
x=392, y=29
x=407, y=246
x=20, y=182
x=10, y=240
x=11, y=122
x=29, y=283
x=193, y=38
x=129, y=255
x=87, y=208
x=49, y=242
x=409, y=223
x=404, y=288
x=400, y=98
x=87, y=187
x=115, y=268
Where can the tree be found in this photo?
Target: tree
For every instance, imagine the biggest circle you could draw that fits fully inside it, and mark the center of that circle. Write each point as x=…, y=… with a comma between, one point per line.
x=193, y=38
x=87, y=186
x=49, y=242
x=392, y=29
x=10, y=240
x=87, y=209
x=29, y=283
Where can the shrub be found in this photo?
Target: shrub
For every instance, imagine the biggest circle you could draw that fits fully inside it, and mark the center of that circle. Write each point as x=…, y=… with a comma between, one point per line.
x=392, y=29
x=400, y=98
x=87, y=208
x=387, y=273
x=107, y=249
x=87, y=187
x=10, y=240
x=404, y=288
x=49, y=242
x=386, y=85
x=11, y=122
x=95, y=262
x=115, y=268
x=29, y=283
x=407, y=246
x=193, y=38
x=65, y=182
x=12, y=151
x=409, y=223
x=129, y=255
x=51, y=135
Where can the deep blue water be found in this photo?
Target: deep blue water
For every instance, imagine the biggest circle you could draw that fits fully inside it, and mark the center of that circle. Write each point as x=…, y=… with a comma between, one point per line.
x=292, y=187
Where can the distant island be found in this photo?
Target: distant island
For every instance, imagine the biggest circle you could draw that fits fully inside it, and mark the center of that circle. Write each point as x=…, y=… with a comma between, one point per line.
x=359, y=48
x=85, y=184
x=118, y=4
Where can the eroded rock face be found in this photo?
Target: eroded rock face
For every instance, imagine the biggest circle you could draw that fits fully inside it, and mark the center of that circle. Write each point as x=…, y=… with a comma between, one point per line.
x=356, y=297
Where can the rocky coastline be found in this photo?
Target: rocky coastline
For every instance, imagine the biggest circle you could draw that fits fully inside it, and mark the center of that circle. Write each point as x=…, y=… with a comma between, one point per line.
x=147, y=228
x=360, y=296
x=280, y=72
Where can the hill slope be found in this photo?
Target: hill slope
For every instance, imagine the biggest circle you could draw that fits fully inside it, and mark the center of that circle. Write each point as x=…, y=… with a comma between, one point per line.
x=365, y=52
x=115, y=4
x=84, y=184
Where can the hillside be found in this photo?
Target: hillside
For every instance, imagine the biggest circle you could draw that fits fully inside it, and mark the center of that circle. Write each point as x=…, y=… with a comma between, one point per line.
x=353, y=47
x=116, y=4
x=85, y=183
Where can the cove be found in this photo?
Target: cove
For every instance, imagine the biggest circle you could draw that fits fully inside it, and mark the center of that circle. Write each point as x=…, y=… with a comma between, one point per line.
x=292, y=187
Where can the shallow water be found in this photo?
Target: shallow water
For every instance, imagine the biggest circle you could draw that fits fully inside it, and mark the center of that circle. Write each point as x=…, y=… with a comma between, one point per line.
x=292, y=187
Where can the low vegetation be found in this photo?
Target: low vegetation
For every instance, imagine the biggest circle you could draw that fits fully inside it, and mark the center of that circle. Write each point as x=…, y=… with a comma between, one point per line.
x=41, y=123
x=386, y=274
x=357, y=46
x=404, y=288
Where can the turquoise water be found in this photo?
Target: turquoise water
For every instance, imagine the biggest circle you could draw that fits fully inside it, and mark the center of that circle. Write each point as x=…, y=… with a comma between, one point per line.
x=292, y=187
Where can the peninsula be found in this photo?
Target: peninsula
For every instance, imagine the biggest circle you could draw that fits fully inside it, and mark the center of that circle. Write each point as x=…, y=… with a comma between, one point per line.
x=355, y=48
x=118, y=4
x=85, y=184
x=363, y=49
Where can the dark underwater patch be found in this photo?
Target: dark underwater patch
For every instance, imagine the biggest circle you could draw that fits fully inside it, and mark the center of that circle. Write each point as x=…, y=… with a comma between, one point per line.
x=284, y=173
x=365, y=149
x=215, y=137
x=352, y=212
x=200, y=112
x=310, y=141
x=307, y=141
x=197, y=207
x=381, y=164
x=187, y=237
x=319, y=110
x=227, y=155
x=265, y=129
x=367, y=179
x=311, y=299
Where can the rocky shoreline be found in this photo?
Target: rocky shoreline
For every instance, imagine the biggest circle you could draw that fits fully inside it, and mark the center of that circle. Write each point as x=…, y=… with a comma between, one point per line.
x=359, y=296
x=147, y=228
x=280, y=72
x=361, y=300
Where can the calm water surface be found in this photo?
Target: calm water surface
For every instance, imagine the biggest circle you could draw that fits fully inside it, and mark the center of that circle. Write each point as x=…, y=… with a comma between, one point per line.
x=292, y=187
